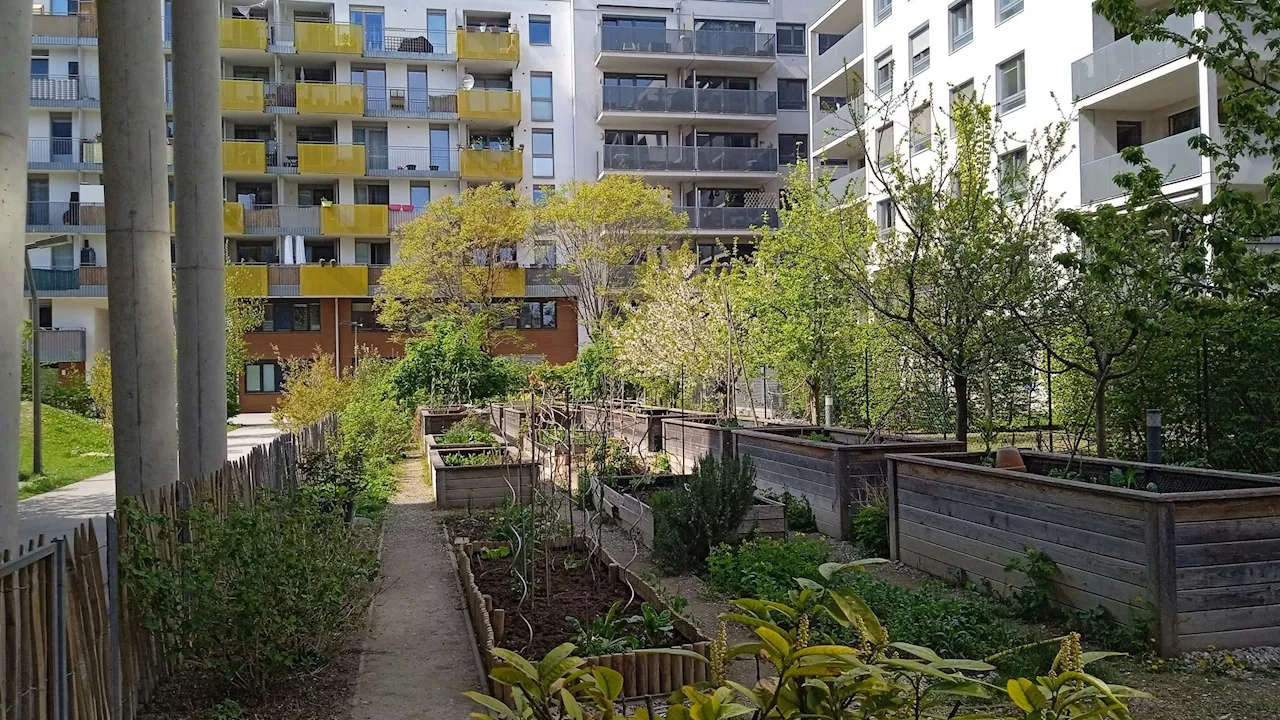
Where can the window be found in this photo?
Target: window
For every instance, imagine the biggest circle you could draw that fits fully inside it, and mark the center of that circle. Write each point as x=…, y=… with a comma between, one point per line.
x=918, y=45
x=437, y=31
x=537, y=315
x=1128, y=134
x=884, y=216
x=285, y=316
x=314, y=195
x=541, y=193
x=884, y=143
x=40, y=67
x=635, y=137
x=1012, y=175
x=884, y=8
x=541, y=106
x=1006, y=9
x=791, y=38
x=1184, y=121
x=961, y=19
x=792, y=94
x=539, y=30
x=634, y=80
x=262, y=377
x=962, y=93
x=1011, y=80
x=373, y=253
x=884, y=74
x=921, y=129
x=544, y=153
x=827, y=40
x=364, y=316
x=792, y=148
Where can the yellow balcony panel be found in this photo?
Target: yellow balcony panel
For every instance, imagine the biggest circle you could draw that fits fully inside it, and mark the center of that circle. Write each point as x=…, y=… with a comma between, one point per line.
x=247, y=280
x=328, y=38
x=242, y=33
x=242, y=96
x=492, y=165
x=502, y=106
x=503, y=47
x=321, y=159
x=510, y=282
x=232, y=217
x=334, y=280
x=354, y=220
x=330, y=98
x=244, y=156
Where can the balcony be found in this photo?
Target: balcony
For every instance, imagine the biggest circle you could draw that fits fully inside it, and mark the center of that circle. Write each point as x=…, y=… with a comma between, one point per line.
x=399, y=215
x=409, y=44
x=66, y=217
x=64, y=154
x=491, y=165
x=838, y=127
x=328, y=38
x=58, y=345
x=245, y=280
x=622, y=47
x=244, y=156
x=489, y=107
x=1170, y=155
x=85, y=281
x=282, y=220
x=232, y=218
x=1125, y=59
x=329, y=98
x=717, y=219
x=497, y=48
x=242, y=96
x=330, y=159
x=685, y=160
x=829, y=68
x=413, y=162
x=65, y=91
x=242, y=34
x=411, y=103
x=333, y=280
x=849, y=183
x=753, y=106
x=354, y=221
x=64, y=29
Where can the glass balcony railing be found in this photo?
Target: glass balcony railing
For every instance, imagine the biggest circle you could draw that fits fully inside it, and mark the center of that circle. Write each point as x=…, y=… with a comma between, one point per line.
x=44, y=216
x=411, y=103
x=329, y=38
x=615, y=98
x=411, y=162
x=244, y=156
x=494, y=46
x=354, y=220
x=668, y=41
x=242, y=96
x=730, y=218
x=500, y=106
x=844, y=53
x=64, y=154
x=491, y=165
x=242, y=33
x=70, y=91
x=333, y=280
x=679, y=158
x=329, y=98
x=832, y=126
x=331, y=159
x=1170, y=155
x=849, y=183
x=1125, y=59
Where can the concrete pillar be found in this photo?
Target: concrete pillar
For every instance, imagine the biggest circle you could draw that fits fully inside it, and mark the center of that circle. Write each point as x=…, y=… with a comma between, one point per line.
x=15, y=88
x=197, y=165
x=139, y=277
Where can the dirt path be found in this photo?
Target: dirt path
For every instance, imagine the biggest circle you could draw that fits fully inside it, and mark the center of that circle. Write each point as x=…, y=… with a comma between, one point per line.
x=419, y=657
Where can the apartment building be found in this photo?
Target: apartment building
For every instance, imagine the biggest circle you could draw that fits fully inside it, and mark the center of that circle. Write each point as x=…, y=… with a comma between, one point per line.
x=1034, y=63
x=341, y=121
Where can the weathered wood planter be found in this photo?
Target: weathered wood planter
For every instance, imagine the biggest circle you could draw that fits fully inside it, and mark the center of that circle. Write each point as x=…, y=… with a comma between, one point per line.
x=435, y=420
x=482, y=485
x=640, y=427
x=1202, y=554
x=433, y=443
x=558, y=465
x=642, y=673
x=836, y=477
x=687, y=439
x=766, y=518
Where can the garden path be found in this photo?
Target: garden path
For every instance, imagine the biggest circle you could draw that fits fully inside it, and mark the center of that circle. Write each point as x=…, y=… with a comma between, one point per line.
x=419, y=656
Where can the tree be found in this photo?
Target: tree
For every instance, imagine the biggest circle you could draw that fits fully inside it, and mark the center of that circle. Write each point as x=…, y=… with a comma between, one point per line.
x=804, y=317
x=454, y=259
x=313, y=388
x=600, y=228
x=449, y=365
x=245, y=313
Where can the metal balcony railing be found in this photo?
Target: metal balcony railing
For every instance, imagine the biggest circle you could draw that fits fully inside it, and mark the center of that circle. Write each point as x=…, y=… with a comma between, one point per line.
x=681, y=158
x=43, y=216
x=396, y=218
x=410, y=103
x=64, y=91
x=730, y=218
x=64, y=154
x=409, y=43
x=1170, y=155
x=844, y=53
x=618, y=98
x=1124, y=59
x=411, y=162
x=60, y=345
x=688, y=42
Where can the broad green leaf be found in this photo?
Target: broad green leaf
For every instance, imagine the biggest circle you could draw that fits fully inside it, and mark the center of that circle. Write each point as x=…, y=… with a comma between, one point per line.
x=553, y=659
x=970, y=665
x=1019, y=698
x=831, y=569
x=517, y=662
x=748, y=620
x=853, y=606
x=918, y=667
x=571, y=708
x=609, y=680
x=491, y=703
x=672, y=651
x=923, y=653
x=507, y=675
x=966, y=689
x=1099, y=655
x=832, y=650
x=774, y=640
x=749, y=648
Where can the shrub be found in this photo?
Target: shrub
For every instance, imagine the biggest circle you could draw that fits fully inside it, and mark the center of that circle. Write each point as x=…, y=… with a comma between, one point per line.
x=800, y=516
x=70, y=393
x=871, y=531
x=764, y=568
x=100, y=386
x=470, y=430
x=313, y=389
x=450, y=366
x=703, y=513
x=609, y=458
x=371, y=418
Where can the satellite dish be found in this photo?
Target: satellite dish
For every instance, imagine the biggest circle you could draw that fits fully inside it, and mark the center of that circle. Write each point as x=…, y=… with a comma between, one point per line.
x=468, y=81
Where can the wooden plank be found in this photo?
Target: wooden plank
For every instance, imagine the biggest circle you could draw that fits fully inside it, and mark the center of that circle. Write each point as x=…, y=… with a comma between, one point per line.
x=1238, y=504
x=1162, y=576
x=1223, y=553
x=1237, y=529
x=1231, y=596
x=789, y=456
x=1254, y=637
x=1241, y=618
x=1211, y=576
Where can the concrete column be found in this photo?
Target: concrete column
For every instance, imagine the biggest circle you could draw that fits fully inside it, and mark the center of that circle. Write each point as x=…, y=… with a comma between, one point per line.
x=197, y=158
x=15, y=88
x=139, y=277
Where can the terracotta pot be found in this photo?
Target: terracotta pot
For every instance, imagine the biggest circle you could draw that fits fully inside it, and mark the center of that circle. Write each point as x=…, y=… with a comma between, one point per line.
x=1008, y=458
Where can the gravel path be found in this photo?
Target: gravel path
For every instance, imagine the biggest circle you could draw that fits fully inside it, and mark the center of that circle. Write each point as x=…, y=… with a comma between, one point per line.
x=419, y=657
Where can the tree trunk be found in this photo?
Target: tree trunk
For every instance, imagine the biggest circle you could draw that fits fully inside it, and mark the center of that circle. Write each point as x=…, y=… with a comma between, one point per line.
x=1100, y=419
x=961, y=385
x=815, y=400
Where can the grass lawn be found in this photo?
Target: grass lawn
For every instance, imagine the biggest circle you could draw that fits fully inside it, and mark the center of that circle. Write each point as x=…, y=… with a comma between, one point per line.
x=75, y=448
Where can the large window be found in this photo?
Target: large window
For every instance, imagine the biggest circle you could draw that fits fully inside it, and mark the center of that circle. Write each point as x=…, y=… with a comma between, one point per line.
x=539, y=30
x=921, y=129
x=262, y=377
x=961, y=20
x=884, y=143
x=884, y=8
x=373, y=253
x=1184, y=121
x=792, y=94
x=918, y=45
x=884, y=74
x=634, y=80
x=544, y=153
x=884, y=216
x=1011, y=80
x=364, y=316
x=790, y=38
x=1128, y=134
x=635, y=137
x=541, y=106
x=286, y=316
x=1012, y=172
x=537, y=315
x=1006, y=9
x=792, y=148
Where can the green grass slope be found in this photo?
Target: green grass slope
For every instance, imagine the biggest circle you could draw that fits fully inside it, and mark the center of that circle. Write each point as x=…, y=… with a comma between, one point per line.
x=75, y=448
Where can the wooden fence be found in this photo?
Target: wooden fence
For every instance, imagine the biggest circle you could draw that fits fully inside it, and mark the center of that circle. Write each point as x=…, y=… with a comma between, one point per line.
x=69, y=646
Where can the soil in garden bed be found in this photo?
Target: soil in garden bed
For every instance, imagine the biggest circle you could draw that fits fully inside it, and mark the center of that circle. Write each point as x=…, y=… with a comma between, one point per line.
x=576, y=589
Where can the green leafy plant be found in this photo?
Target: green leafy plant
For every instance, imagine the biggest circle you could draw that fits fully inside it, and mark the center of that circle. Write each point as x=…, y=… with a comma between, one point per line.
x=819, y=436
x=495, y=553
x=871, y=530
x=473, y=459
x=652, y=628
x=470, y=430
x=702, y=513
x=1034, y=600
x=800, y=517
x=609, y=458
x=763, y=567
x=604, y=635
x=662, y=463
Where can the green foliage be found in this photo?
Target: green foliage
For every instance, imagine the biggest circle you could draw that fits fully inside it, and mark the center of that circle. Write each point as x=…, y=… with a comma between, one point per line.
x=764, y=568
x=70, y=393
x=450, y=365
x=609, y=458
x=871, y=530
x=611, y=633
x=800, y=516
x=705, y=512
x=473, y=459
x=74, y=448
x=818, y=436
x=470, y=430
x=271, y=589
x=1033, y=600
x=100, y=386
x=371, y=419
x=662, y=463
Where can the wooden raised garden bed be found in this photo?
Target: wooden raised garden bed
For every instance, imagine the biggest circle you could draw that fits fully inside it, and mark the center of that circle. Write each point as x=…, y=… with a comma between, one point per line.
x=433, y=443
x=640, y=427
x=837, y=477
x=579, y=590
x=435, y=420
x=1198, y=548
x=630, y=509
x=481, y=485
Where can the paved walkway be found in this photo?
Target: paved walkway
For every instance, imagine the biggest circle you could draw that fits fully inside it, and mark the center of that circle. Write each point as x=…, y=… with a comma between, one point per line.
x=58, y=512
x=419, y=657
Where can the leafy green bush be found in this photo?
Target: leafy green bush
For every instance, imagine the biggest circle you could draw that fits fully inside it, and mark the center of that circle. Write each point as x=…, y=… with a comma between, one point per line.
x=764, y=568
x=800, y=516
x=371, y=419
x=703, y=513
x=871, y=531
x=470, y=430
x=449, y=366
x=609, y=458
x=611, y=633
x=472, y=459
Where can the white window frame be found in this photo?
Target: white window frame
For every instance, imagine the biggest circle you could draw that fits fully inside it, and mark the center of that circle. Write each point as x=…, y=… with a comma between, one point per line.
x=1011, y=101
x=1006, y=186
x=1006, y=9
x=552, y=157
x=921, y=139
x=883, y=9
x=883, y=132
x=885, y=60
x=962, y=40
x=919, y=56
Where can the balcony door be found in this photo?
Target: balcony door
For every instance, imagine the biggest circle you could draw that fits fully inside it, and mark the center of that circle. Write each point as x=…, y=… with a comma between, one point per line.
x=374, y=141
x=60, y=145
x=440, y=148
x=37, y=201
x=374, y=25
x=374, y=81
x=418, y=100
